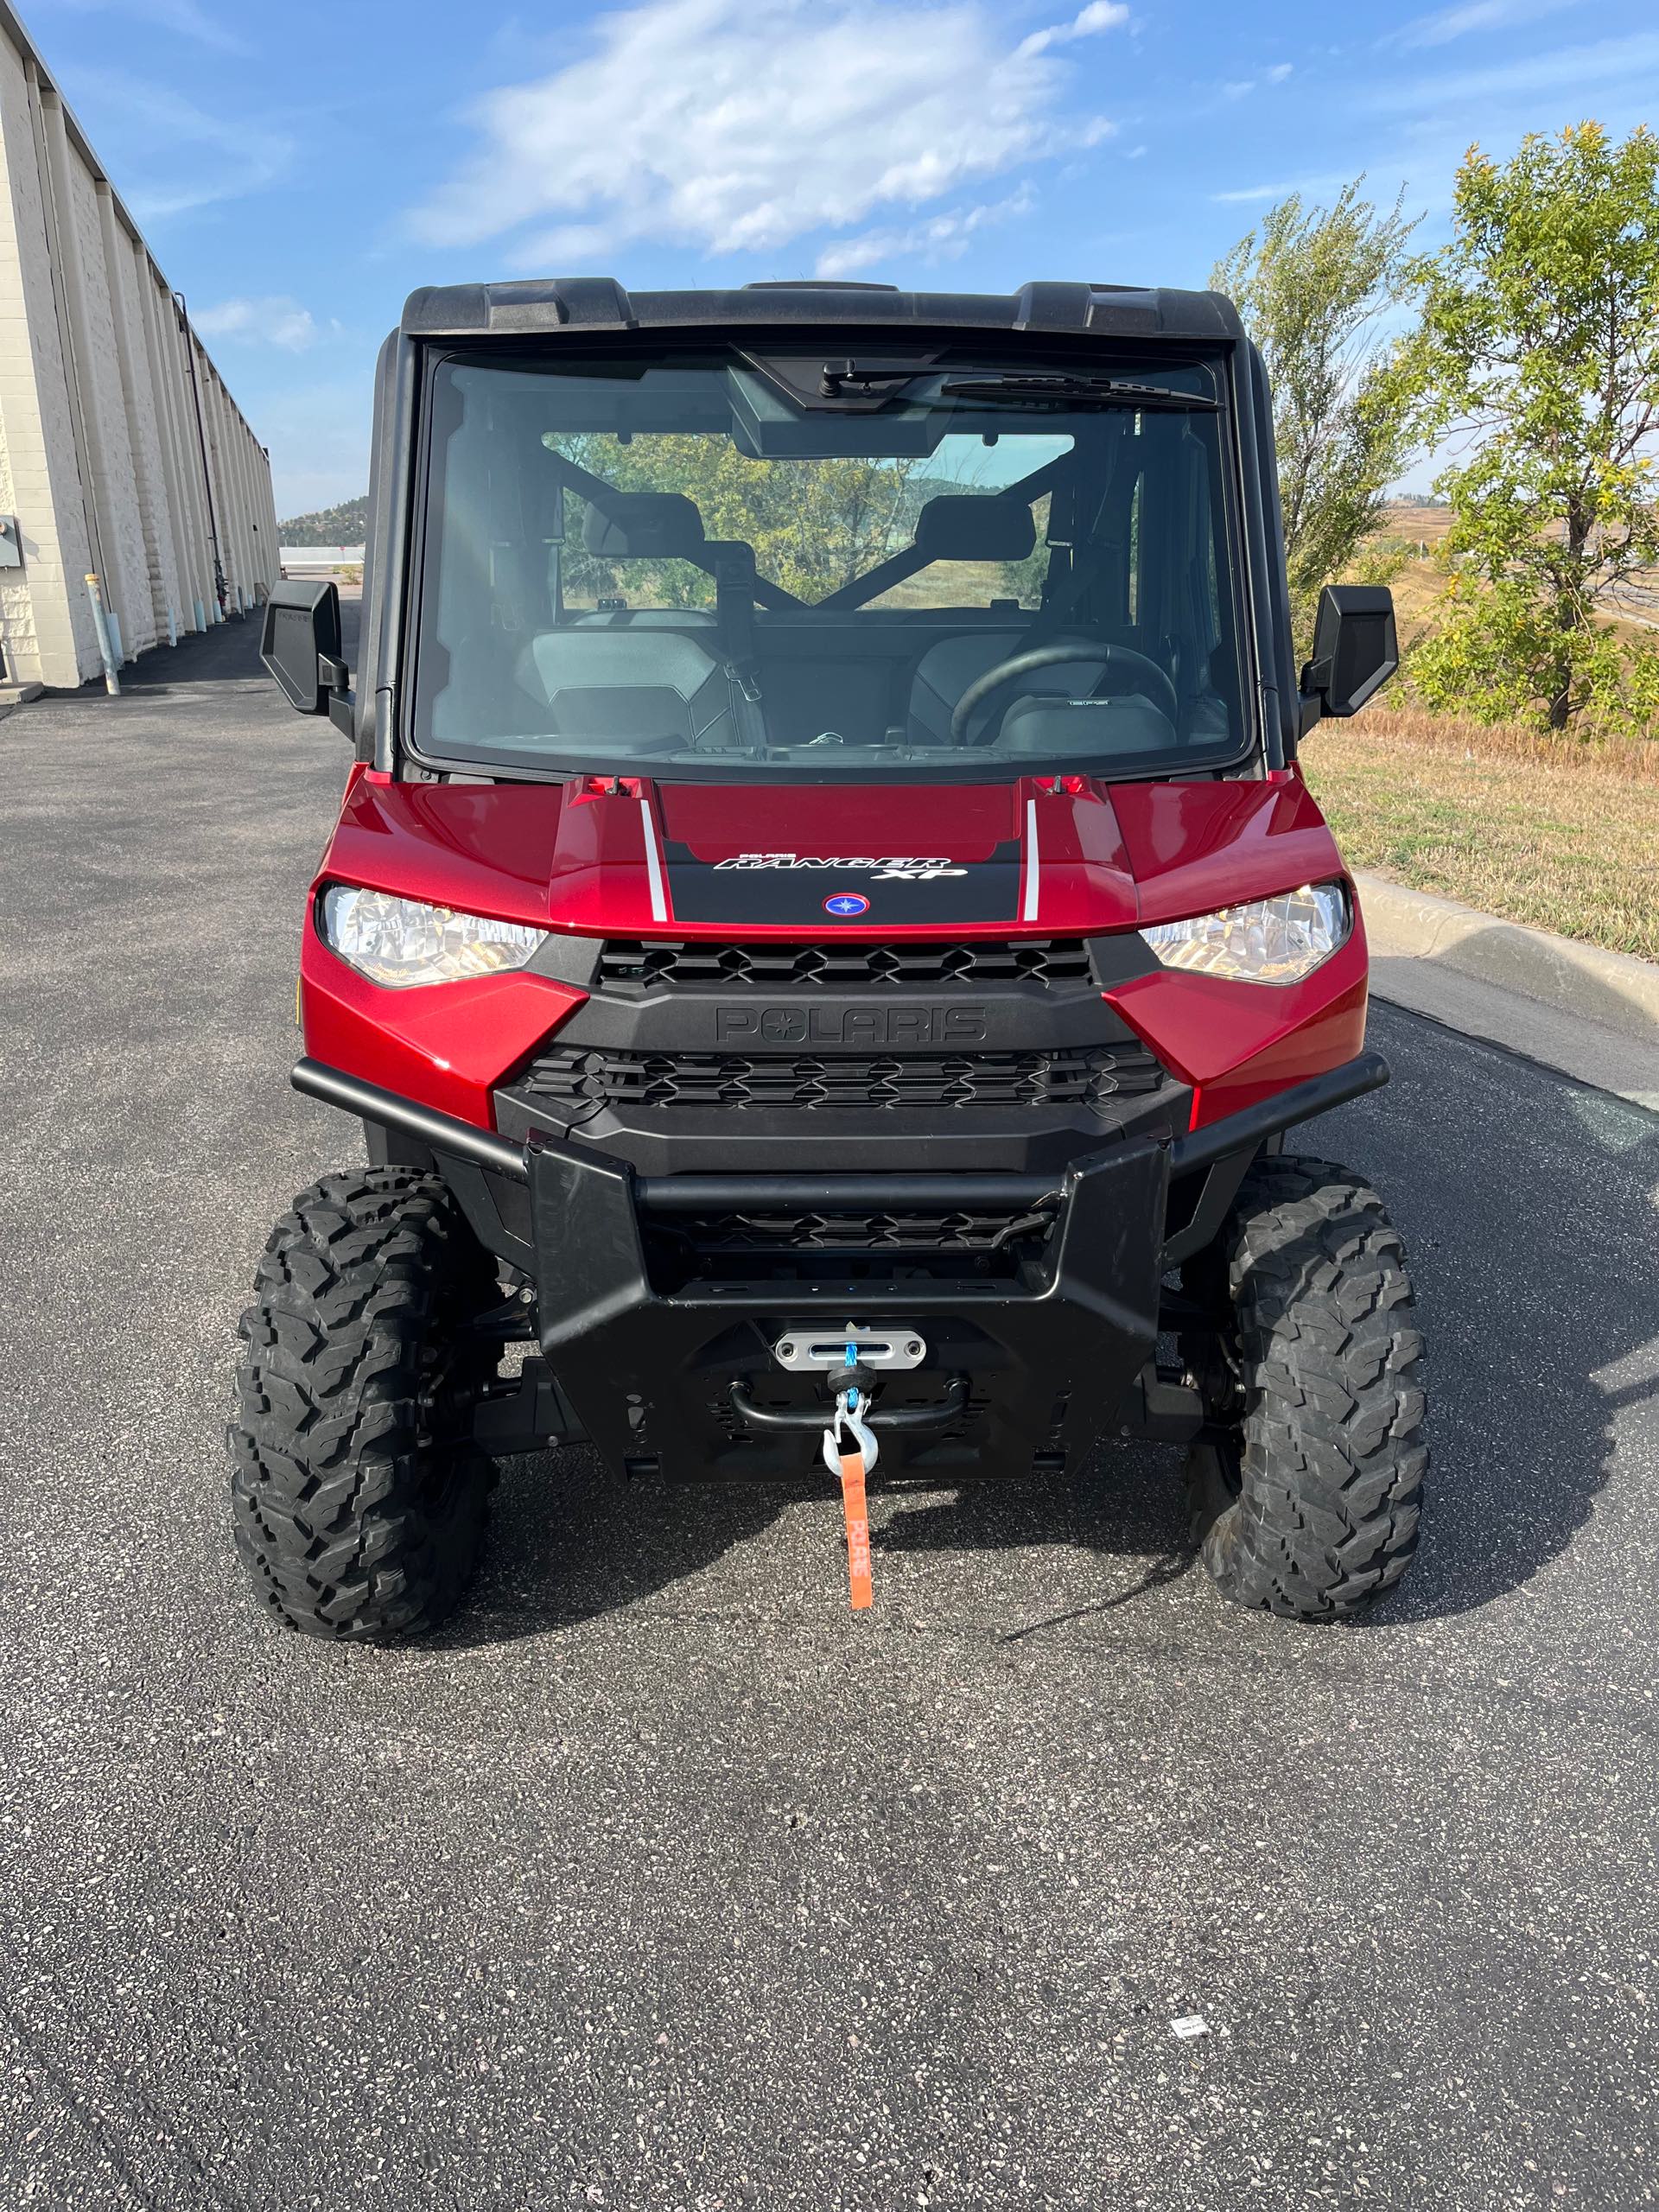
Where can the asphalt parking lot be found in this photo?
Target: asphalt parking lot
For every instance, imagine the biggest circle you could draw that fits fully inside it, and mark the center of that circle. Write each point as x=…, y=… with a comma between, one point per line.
x=660, y=1881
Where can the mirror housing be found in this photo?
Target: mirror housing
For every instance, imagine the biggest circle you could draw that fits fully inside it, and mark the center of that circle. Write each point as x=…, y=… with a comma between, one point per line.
x=299, y=642
x=1356, y=651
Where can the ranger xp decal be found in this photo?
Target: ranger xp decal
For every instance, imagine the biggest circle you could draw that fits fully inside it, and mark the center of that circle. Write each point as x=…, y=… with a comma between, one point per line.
x=782, y=888
x=891, y=871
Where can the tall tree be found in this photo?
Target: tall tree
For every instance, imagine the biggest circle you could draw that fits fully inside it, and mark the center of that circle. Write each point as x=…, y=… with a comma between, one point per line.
x=1540, y=344
x=1312, y=284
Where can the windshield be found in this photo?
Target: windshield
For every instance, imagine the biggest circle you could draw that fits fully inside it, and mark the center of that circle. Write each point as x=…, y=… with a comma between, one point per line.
x=720, y=563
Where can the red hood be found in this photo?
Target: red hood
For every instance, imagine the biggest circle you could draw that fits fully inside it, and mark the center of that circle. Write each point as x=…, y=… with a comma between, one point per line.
x=712, y=859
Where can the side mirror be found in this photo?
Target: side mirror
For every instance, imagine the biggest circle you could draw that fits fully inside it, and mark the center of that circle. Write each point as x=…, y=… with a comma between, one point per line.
x=300, y=644
x=1356, y=651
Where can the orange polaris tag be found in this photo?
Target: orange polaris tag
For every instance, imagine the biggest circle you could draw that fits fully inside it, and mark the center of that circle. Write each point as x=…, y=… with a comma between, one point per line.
x=855, y=1512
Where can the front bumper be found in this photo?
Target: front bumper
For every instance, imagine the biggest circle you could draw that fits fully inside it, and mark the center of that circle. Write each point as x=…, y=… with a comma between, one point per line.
x=663, y=1349
x=671, y=1373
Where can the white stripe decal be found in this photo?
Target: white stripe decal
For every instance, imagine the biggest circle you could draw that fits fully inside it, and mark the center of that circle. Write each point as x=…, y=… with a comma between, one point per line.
x=1033, y=879
x=653, y=866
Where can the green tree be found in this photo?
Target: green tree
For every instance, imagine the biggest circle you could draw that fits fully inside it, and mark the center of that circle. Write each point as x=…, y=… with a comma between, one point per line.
x=1312, y=284
x=346, y=524
x=1538, y=356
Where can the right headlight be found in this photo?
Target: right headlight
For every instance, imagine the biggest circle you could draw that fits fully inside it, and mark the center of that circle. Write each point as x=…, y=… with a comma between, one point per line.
x=1264, y=941
x=404, y=943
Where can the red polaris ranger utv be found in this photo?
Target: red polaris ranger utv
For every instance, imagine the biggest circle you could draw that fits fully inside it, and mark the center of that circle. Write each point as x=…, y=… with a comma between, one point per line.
x=825, y=937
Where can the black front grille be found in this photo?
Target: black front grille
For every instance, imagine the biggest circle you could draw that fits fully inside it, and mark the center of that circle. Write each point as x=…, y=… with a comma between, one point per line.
x=631, y=968
x=586, y=1081
x=864, y=1232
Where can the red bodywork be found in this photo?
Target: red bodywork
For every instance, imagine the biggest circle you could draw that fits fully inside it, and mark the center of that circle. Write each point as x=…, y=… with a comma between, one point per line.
x=1089, y=858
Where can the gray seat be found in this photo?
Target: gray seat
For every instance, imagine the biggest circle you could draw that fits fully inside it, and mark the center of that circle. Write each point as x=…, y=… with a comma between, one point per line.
x=1055, y=728
x=636, y=685
x=959, y=526
x=644, y=678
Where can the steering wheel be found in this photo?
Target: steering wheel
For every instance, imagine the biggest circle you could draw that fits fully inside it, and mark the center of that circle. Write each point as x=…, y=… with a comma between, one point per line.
x=1036, y=657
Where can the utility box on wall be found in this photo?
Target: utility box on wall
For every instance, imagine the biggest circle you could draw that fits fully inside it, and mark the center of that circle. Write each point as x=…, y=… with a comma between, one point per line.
x=11, y=544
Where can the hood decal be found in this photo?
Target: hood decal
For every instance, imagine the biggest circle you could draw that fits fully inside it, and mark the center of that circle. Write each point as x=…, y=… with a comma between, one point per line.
x=654, y=863
x=759, y=890
x=1032, y=894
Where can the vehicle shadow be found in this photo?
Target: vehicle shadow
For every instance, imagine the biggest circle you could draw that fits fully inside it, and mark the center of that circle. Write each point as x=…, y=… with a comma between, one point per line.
x=571, y=1543
x=568, y=1546
x=1527, y=1203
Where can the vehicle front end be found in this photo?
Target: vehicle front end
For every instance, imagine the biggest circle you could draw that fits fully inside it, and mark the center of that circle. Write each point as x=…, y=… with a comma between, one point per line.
x=826, y=888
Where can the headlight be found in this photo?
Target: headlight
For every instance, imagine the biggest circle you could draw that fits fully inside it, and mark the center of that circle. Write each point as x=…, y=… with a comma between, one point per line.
x=1266, y=941
x=401, y=942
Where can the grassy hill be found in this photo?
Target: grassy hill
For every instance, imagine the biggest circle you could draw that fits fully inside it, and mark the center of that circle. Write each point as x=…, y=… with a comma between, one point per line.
x=346, y=524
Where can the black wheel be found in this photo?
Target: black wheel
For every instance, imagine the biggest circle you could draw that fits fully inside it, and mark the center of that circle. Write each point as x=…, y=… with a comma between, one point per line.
x=1309, y=1505
x=358, y=1497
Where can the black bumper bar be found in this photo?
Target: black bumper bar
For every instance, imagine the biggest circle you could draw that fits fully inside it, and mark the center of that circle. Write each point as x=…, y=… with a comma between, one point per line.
x=1201, y=1147
x=442, y=1131
x=717, y=1193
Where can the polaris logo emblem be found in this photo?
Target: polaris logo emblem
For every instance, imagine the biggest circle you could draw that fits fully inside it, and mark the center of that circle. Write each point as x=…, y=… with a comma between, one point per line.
x=898, y=869
x=826, y=1025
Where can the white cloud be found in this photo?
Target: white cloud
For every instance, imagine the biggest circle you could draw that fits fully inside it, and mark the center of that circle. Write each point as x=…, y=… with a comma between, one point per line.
x=1309, y=186
x=1099, y=16
x=274, y=320
x=186, y=18
x=1447, y=23
x=941, y=238
x=737, y=126
x=1605, y=69
x=1238, y=87
x=177, y=156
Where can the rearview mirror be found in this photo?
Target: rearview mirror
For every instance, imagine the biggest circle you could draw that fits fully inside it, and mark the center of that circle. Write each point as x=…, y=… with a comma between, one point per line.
x=1356, y=651
x=300, y=644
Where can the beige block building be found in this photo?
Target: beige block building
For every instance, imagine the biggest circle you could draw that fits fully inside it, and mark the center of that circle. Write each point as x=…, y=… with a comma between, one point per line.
x=121, y=454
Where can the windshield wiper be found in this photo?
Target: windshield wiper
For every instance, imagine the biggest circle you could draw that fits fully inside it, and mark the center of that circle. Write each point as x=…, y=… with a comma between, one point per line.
x=1038, y=390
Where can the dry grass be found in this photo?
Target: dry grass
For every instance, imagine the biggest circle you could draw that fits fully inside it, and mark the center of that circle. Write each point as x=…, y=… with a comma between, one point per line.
x=1621, y=760
x=1561, y=834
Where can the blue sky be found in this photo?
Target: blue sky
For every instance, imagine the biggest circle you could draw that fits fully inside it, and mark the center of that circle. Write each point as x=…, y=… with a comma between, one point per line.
x=299, y=169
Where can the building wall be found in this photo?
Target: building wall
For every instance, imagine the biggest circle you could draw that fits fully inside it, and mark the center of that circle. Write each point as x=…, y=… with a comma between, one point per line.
x=122, y=453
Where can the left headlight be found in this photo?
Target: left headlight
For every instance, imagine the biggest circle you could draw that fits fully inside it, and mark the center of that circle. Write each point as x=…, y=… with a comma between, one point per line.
x=404, y=942
x=1265, y=941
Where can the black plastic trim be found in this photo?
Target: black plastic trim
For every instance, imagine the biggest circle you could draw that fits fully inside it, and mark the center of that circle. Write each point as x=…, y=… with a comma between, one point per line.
x=689, y=1139
x=567, y=959
x=949, y=1407
x=541, y=306
x=829, y=1193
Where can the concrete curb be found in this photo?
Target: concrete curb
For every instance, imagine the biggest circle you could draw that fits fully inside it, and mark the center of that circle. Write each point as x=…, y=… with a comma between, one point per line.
x=1610, y=988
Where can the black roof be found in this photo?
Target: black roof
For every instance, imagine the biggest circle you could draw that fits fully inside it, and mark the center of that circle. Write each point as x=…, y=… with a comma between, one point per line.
x=600, y=303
